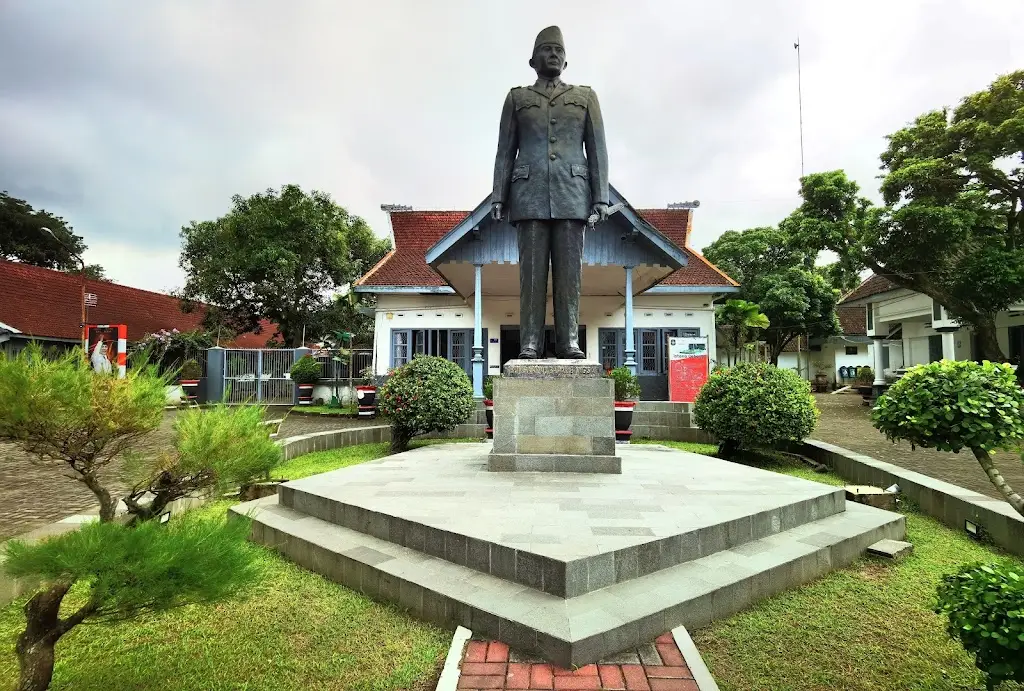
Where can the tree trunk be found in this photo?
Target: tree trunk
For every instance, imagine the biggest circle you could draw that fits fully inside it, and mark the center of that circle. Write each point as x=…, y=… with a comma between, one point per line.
x=985, y=459
x=986, y=340
x=36, y=643
x=400, y=439
x=107, y=503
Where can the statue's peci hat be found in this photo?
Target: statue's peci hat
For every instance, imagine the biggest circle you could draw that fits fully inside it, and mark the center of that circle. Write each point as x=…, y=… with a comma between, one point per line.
x=552, y=34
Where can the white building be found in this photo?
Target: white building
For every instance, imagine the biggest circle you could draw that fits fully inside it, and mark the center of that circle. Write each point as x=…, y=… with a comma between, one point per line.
x=450, y=287
x=838, y=357
x=909, y=328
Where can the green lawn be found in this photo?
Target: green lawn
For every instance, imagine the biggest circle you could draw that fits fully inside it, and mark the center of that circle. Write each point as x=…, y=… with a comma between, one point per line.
x=866, y=627
x=296, y=631
x=322, y=461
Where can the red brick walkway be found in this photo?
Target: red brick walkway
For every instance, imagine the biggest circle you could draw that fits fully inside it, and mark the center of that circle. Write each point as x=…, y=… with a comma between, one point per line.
x=654, y=667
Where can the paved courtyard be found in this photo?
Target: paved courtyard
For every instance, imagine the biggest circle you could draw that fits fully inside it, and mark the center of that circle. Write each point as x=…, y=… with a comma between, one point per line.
x=846, y=422
x=32, y=496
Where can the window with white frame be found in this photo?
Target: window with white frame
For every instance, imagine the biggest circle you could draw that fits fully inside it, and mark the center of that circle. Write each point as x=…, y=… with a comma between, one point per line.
x=452, y=344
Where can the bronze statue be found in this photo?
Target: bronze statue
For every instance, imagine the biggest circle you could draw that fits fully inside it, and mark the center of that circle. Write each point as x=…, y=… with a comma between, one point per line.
x=550, y=189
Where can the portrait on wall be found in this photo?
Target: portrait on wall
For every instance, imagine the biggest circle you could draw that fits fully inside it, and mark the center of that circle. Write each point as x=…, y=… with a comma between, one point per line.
x=106, y=347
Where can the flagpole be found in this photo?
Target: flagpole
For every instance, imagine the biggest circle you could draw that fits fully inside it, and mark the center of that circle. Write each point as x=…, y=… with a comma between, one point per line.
x=800, y=102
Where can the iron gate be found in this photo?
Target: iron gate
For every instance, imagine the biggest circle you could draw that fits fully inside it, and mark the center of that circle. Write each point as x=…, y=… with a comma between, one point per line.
x=259, y=376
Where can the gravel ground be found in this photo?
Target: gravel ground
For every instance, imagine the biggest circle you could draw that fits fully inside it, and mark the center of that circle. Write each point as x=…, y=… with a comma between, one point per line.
x=846, y=421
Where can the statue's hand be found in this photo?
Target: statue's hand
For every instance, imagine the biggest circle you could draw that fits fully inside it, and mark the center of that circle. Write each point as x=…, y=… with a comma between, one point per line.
x=600, y=210
x=497, y=209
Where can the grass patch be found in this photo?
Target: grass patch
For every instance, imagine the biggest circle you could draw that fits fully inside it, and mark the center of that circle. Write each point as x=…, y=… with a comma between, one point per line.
x=296, y=631
x=325, y=410
x=323, y=461
x=867, y=627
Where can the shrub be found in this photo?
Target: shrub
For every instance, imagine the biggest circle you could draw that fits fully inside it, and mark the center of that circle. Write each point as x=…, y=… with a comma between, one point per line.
x=489, y=387
x=218, y=447
x=627, y=386
x=985, y=608
x=865, y=376
x=428, y=394
x=61, y=412
x=367, y=377
x=306, y=370
x=169, y=350
x=190, y=370
x=125, y=571
x=951, y=405
x=755, y=405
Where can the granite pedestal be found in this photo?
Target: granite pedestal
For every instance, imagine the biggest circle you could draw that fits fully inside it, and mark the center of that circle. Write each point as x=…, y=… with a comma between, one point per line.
x=572, y=567
x=554, y=416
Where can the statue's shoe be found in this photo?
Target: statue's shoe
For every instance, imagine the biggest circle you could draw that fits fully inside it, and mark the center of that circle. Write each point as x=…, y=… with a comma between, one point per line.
x=572, y=354
x=528, y=354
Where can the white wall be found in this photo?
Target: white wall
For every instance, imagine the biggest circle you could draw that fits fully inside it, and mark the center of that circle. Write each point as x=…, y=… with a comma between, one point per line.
x=395, y=311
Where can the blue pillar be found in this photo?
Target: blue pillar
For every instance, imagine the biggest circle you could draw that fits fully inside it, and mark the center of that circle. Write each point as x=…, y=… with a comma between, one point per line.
x=478, y=333
x=630, y=346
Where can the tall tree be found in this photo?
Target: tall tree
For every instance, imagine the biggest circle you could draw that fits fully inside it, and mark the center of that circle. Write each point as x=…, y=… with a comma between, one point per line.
x=280, y=256
x=952, y=224
x=22, y=238
x=778, y=274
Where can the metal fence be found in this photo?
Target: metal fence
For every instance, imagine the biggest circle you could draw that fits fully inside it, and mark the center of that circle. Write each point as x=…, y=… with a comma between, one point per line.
x=334, y=367
x=259, y=376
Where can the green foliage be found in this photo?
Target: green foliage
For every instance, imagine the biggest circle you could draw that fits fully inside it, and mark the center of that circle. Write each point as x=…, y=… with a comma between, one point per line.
x=428, y=394
x=278, y=256
x=150, y=567
x=306, y=370
x=627, y=386
x=953, y=189
x=367, y=377
x=951, y=405
x=169, y=350
x=739, y=319
x=60, y=410
x=190, y=370
x=755, y=405
x=985, y=608
x=777, y=274
x=22, y=238
x=231, y=440
x=489, y=386
x=865, y=376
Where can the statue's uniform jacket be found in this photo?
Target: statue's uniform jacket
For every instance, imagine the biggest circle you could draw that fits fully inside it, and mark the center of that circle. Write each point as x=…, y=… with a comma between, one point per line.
x=540, y=171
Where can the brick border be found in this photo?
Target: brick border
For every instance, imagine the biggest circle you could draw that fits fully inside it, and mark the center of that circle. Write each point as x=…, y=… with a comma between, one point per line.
x=670, y=663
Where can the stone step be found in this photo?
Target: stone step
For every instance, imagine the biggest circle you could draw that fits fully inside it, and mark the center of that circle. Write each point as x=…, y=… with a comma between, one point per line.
x=565, y=534
x=583, y=629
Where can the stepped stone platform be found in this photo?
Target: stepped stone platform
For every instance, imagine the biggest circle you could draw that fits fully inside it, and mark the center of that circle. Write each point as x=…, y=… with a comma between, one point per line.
x=572, y=567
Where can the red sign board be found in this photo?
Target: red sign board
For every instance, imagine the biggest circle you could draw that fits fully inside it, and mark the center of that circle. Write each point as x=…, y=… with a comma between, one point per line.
x=688, y=364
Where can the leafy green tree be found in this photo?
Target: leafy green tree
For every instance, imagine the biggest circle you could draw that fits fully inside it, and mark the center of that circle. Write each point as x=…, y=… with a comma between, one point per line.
x=123, y=572
x=951, y=405
x=777, y=273
x=427, y=394
x=63, y=414
x=738, y=319
x=755, y=405
x=278, y=256
x=22, y=238
x=952, y=224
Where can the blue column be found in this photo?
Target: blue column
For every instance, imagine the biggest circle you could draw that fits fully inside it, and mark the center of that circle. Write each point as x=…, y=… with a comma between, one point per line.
x=630, y=346
x=478, y=333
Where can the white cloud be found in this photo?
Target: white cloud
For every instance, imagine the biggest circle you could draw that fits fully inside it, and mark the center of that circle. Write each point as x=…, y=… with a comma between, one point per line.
x=132, y=119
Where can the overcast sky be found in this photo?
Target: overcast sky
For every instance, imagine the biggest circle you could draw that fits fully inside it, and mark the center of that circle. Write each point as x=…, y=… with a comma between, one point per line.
x=130, y=119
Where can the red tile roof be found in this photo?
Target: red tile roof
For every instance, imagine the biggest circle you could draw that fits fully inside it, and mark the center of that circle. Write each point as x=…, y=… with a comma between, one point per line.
x=872, y=286
x=415, y=232
x=853, y=320
x=47, y=303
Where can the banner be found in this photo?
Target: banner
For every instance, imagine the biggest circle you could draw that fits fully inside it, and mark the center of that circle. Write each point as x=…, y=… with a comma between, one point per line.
x=108, y=347
x=688, y=367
